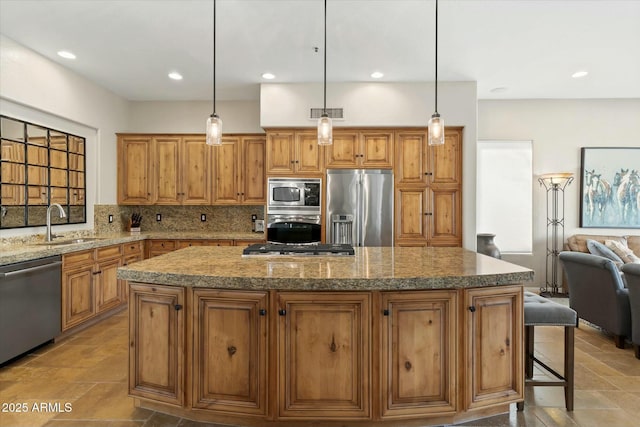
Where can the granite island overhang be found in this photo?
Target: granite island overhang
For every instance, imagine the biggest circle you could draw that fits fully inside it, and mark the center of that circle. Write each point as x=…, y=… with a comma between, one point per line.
x=389, y=336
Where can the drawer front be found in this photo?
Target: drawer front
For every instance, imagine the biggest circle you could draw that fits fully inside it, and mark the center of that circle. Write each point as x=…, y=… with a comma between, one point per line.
x=75, y=258
x=109, y=252
x=187, y=243
x=162, y=245
x=132, y=248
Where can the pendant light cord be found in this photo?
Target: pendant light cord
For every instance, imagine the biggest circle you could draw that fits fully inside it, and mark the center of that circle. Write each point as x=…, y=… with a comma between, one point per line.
x=436, y=56
x=324, y=109
x=214, y=57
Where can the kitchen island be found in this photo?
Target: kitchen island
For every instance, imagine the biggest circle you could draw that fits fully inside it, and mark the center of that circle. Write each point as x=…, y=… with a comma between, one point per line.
x=388, y=336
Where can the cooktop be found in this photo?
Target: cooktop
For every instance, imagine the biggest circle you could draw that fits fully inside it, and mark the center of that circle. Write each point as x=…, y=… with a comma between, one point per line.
x=285, y=249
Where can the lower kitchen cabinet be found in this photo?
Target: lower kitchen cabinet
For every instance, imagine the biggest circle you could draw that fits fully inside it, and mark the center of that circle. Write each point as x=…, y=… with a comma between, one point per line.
x=418, y=353
x=156, y=334
x=159, y=247
x=89, y=284
x=494, y=321
x=324, y=355
x=230, y=351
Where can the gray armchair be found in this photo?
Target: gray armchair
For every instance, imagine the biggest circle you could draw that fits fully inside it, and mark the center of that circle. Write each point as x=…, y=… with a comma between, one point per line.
x=632, y=275
x=597, y=293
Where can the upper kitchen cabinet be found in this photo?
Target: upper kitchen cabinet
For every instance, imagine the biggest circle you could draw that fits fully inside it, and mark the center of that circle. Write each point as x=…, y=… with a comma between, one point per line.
x=239, y=176
x=293, y=152
x=135, y=170
x=360, y=149
x=163, y=170
x=428, y=189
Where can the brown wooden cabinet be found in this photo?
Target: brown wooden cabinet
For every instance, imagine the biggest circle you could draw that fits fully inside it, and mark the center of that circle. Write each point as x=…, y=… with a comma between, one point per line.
x=230, y=351
x=163, y=170
x=360, y=149
x=155, y=247
x=428, y=181
x=493, y=320
x=135, y=170
x=156, y=334
x=324, y=355
x=89, y=284
x=239, y=176
x=294, y=152
x=418, y=353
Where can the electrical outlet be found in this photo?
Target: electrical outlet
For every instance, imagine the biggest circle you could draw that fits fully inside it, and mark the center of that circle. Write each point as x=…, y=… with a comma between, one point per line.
x=110, y=219
x=203, y=217
x=158, y=217
x=254, y=217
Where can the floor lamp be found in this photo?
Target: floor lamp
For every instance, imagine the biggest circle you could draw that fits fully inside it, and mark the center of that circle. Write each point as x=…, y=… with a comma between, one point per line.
x=554, y=184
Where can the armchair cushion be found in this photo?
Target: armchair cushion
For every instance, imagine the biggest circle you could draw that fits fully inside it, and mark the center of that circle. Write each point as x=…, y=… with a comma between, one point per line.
x=597, y=248
x=622, y=250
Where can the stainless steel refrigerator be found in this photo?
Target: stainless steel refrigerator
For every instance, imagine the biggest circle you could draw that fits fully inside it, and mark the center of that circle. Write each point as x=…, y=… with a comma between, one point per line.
x=360, y=207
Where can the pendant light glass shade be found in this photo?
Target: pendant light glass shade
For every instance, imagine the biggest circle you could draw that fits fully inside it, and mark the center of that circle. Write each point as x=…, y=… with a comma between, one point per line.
x=325, y=130
x=214, y=130
x=436, y=123
x=214, y=123
x=436, y=130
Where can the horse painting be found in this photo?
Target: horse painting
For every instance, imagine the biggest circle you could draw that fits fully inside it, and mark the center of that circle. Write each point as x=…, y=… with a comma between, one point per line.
x=628, y=188
x=597, y=194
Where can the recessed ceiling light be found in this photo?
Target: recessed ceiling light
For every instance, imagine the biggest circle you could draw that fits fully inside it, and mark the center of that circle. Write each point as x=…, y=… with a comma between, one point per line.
x=66, y=54
x=268, y=76
x=579, y=74
x=500, y=89
x=175, y=76
x=377, y=75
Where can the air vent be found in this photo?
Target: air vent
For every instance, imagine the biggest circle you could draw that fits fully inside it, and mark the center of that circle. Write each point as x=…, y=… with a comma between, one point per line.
x=334, y=113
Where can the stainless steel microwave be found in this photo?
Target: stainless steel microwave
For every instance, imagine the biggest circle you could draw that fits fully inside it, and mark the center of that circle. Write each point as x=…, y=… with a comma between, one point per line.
x=295, y=195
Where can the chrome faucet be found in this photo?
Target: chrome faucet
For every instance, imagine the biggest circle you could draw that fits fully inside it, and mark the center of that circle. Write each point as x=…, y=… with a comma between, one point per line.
x=62, y=215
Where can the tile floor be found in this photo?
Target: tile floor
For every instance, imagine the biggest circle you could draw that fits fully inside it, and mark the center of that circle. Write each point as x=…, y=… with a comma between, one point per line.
x=88, y=373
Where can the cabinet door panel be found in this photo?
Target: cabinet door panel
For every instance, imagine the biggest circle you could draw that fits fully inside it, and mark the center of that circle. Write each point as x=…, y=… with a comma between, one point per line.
x=78, y=301
x=196, y=171
x=410, y=158
x=156, y=331
x=167, y=166
x=494, y=346
x=134, y=170
x=324, y=355
x=280, y=153
x=446, y=218
x=108, y=289
x=230, y=369
x=446, y=160
x=376, y=149
x=226, y=171
x=419, y=353
x=410, y=223
x=308, y=157
x=253, y=181
x=344, y=150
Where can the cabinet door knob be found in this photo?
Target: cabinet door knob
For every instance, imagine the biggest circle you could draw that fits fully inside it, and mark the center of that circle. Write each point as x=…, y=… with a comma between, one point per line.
x=428, y=213
x=232, y=350
x=282, y=312
x=385, y=312
x=428, y=173
x=178, y=307
x=472, y=309
x=263, y=312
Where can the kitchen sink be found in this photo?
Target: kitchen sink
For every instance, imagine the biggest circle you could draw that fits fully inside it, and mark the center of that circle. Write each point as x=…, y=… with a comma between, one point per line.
x=69, y=241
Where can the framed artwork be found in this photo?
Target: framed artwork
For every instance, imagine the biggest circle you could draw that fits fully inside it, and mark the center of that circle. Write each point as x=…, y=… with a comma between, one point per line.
x=610, y=187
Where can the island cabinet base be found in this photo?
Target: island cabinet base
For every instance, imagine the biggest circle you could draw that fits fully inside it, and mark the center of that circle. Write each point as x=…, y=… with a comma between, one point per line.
x=309, y=358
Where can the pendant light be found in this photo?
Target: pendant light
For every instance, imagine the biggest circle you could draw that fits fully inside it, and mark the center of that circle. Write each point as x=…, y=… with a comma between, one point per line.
x=325, y=127
x=436, y=123
x=214, y=123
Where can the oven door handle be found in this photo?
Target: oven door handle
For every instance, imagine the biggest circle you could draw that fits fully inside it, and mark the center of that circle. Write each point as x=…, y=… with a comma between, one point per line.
x=300, y=219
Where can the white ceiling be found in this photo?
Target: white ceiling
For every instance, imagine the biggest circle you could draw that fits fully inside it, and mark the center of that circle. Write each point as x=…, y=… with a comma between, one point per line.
x=529, y=47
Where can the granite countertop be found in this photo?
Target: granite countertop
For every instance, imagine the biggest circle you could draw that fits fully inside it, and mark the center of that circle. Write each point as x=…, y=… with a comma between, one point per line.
x=34, y=249
x=371, y=268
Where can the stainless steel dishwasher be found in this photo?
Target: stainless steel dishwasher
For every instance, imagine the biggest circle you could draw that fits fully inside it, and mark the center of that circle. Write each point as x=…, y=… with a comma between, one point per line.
x=30, y=305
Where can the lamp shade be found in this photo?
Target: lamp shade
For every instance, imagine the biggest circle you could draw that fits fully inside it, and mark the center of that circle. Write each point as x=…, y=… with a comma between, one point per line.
x=436, y=130
x=325, y=130
x=214, y=130
x=561, y=179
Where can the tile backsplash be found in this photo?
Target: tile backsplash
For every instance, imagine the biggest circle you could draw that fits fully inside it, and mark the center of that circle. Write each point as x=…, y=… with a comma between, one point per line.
x=177, y=218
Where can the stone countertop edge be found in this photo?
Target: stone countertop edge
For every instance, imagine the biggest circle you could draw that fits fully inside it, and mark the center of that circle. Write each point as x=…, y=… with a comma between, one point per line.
x=10, y=254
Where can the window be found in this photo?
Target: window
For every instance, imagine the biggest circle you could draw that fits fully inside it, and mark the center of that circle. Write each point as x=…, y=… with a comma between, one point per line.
x=40, y=166
x=504, y=199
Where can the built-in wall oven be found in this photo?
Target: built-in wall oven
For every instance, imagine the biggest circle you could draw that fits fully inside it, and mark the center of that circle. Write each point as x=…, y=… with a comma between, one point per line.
x=293, y=210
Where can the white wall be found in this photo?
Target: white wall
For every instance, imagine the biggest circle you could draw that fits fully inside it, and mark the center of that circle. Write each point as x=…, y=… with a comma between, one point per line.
x=190, y=117
x=558, y=129
x=36, y=89
x=385, y=104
